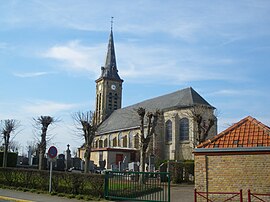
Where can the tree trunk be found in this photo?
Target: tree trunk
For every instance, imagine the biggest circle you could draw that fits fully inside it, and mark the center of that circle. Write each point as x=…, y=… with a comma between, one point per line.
x=5, y=156
x=42, y=150
x=142, y=166
x=142, y=161
x=87, y=159
x=41, y=160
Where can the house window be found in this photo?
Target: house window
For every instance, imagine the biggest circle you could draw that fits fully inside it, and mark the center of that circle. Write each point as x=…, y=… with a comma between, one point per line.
x=168, y=132
x=184, y=129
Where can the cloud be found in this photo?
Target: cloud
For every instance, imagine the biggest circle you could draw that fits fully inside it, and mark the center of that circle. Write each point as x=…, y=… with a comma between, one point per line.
x=31, y=74
x=233, y=92
x=142, y=63
x=145, y=63
x=43, y=107
x=76, y=57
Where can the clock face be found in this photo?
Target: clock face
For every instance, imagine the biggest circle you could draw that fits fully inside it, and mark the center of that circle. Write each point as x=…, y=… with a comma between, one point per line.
x=113, y=87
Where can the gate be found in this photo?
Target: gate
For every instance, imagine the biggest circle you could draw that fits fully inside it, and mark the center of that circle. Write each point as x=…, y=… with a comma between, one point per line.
x=218, y=196
x=258, y=197
x=137, y=186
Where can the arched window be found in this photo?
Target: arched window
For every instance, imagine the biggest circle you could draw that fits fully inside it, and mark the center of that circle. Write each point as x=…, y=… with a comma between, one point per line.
x=105, y=143
x=110, y=140
x=125, y=141
x=184, y=129
x=137, y=141
x=115, y=142
x=115, y=101
x=168, y=130
x=130, y=139
x=100, y=142
x=120, y=139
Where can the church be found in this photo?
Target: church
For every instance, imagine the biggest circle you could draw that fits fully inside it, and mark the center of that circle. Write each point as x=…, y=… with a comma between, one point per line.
x=117, y=137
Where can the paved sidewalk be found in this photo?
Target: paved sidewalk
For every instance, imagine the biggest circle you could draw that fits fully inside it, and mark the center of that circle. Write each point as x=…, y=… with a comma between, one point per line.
x=182, y=193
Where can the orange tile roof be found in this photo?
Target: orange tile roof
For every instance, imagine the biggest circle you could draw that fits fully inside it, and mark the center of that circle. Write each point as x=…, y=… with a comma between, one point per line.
x=246, y=133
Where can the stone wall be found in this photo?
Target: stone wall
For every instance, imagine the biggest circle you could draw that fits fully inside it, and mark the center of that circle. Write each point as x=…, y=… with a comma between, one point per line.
x=232, y=172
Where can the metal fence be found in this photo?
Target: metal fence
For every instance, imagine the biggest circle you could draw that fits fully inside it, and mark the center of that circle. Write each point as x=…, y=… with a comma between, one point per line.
x=218, y=196
x=137, y=186
x=258, y=197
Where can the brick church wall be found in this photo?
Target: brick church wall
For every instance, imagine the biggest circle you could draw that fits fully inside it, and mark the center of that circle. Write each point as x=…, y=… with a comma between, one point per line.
x=232, y=172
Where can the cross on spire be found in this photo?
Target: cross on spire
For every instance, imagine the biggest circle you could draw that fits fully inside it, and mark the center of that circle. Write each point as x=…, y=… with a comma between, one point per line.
x=111, y=23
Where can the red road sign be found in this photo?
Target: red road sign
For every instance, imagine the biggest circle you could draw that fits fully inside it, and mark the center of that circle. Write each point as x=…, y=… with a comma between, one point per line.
x=52, y=152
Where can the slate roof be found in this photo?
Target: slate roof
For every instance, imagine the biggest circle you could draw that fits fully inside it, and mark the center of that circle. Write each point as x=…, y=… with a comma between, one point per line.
x=246, y=133
x=127, y=118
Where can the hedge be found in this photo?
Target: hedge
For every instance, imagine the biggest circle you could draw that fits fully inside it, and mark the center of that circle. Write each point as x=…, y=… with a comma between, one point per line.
x=62, y=182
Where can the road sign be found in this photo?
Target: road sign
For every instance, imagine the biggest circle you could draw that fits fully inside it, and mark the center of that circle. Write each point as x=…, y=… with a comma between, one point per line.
x=52, y=152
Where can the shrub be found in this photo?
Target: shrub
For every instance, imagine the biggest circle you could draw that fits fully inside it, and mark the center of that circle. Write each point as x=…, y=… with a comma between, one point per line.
x=62, y=182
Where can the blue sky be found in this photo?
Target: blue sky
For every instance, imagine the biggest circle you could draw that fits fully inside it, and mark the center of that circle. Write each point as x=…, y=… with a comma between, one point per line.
x=51, y=53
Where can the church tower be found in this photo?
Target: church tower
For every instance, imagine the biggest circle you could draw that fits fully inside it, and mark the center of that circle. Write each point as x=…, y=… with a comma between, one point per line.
x=108, y=86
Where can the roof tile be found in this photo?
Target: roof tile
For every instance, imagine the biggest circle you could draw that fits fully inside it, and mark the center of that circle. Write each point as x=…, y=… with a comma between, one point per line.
x=248, y=132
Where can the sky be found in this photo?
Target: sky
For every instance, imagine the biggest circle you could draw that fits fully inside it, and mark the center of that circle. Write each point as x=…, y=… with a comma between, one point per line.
x=51, y=53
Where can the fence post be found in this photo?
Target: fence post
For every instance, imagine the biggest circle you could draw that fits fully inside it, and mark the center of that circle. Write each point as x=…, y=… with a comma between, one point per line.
x=249, y=196
x=169, y=187
x=195, y=195
x=241, y=195
x=106, y=186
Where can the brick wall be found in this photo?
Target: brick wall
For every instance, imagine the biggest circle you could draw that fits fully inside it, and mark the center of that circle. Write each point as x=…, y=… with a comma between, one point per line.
x=232, y=172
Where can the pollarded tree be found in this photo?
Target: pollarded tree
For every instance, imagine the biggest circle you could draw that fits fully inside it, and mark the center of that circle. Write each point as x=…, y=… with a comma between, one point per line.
x=204, y=119
x=44, y=122
x=8, y=127
x=147, y=131
x=88, y=126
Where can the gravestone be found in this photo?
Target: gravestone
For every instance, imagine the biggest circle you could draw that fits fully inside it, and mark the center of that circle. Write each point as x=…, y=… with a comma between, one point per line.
x=76, y=163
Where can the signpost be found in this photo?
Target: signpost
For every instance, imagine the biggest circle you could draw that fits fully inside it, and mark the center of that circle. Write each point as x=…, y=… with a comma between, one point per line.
x=52, y=153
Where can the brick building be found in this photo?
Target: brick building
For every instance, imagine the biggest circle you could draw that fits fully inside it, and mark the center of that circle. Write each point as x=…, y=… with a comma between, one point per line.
x=238, y=158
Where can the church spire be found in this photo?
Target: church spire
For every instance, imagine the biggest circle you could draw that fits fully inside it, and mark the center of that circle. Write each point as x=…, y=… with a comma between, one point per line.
x=108, y=85
x=110, y=69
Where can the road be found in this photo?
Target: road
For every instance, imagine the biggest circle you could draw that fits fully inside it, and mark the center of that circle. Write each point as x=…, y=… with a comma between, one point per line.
x=20, y=196
x=179, y=193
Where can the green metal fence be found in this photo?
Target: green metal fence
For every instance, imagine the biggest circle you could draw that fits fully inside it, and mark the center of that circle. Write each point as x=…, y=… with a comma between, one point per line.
x=137, y=186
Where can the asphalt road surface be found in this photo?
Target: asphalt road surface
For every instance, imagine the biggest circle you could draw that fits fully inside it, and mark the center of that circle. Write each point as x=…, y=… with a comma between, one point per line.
x=179, y=193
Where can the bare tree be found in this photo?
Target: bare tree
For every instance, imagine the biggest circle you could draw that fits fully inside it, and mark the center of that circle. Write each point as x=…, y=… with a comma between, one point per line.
x=204, y=120
x=146, y=132
x=8, y=127
x=44, y=121
x=14, y=146
x=88, y=126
